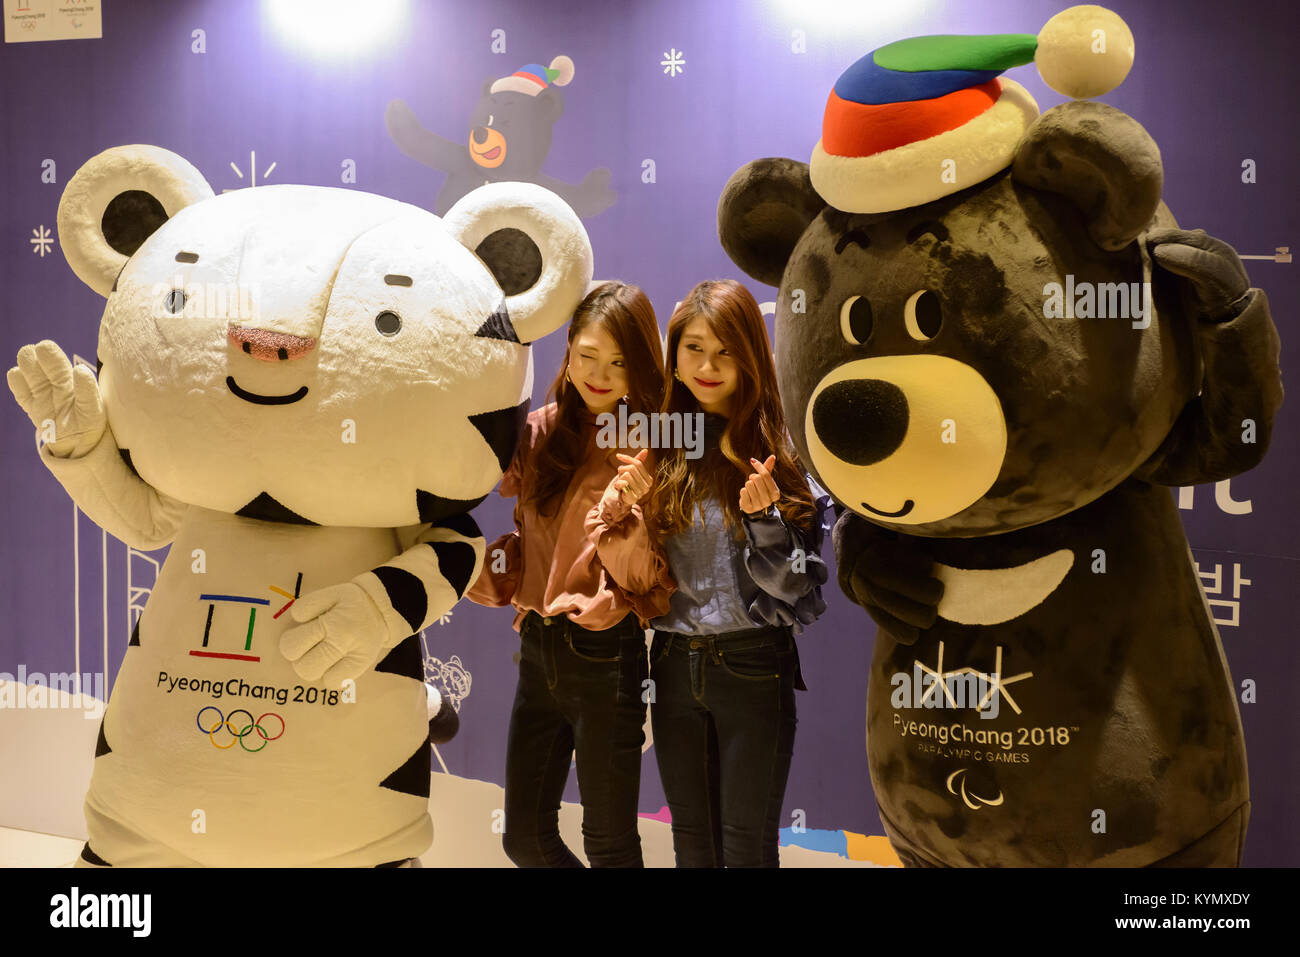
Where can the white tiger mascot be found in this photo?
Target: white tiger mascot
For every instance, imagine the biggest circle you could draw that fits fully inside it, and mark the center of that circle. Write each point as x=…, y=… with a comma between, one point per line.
x=303, y=390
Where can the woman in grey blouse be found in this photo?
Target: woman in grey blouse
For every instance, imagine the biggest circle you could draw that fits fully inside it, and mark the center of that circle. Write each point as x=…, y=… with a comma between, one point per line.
x=741, y=529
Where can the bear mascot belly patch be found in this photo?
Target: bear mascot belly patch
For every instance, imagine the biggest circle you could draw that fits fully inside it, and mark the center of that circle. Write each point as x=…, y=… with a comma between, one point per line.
x=997, y=350
x=304, y=391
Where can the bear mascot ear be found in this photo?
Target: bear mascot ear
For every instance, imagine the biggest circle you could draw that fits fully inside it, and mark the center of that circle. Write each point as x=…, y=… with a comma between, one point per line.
x=116, y=201
x=764, y=209
x=534, y=245
x=1099, y=158
x=552, y=102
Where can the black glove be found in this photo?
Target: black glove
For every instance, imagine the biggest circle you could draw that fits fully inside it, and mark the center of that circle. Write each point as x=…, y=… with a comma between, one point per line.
x=889, y=575
x=1213, y=279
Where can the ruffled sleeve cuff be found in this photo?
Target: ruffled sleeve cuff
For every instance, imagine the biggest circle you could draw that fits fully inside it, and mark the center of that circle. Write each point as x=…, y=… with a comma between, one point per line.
x=634, y=565
x=786, y=565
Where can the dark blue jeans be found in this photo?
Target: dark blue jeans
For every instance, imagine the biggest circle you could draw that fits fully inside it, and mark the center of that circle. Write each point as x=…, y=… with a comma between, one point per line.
x=580, y=694
x=723, y=715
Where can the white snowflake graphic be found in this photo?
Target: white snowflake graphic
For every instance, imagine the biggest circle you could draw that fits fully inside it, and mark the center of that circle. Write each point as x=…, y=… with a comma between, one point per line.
x=674, y=61
x=252, y=169
x=444, y=617
x=42, y=241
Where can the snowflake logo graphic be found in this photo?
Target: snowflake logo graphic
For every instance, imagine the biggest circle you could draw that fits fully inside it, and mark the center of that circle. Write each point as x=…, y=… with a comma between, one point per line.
x=252, y=170
x=444, y=617
x=674, y=61
x=995, y=683
x=42, y=241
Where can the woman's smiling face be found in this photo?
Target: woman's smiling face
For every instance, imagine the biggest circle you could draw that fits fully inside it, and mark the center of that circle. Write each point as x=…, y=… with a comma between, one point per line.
x=596, y=369
x=706, y=367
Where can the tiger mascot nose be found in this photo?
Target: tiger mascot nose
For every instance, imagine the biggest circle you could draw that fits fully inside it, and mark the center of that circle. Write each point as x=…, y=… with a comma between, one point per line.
x=270, y=346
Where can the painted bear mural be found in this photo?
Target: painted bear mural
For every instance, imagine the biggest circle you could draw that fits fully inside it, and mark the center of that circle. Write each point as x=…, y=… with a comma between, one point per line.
x=509, y=139
x=304, y=391
x=1048, y=687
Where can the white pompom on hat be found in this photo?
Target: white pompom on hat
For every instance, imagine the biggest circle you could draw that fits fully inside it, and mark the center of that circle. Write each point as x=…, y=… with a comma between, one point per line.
x=1084, y=51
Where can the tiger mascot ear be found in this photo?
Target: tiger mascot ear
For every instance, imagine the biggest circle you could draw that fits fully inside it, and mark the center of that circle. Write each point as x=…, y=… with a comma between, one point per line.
x=534, y=245
x=115, y=201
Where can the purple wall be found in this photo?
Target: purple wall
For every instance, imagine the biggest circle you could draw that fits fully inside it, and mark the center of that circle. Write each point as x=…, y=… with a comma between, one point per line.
x=1212, y=83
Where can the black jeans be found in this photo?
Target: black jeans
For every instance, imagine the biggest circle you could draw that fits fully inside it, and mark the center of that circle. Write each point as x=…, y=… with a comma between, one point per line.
x=580, y=693
x=723, y=715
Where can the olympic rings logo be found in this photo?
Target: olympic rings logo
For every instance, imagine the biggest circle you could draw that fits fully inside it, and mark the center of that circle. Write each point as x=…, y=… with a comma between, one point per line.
x=240, y=735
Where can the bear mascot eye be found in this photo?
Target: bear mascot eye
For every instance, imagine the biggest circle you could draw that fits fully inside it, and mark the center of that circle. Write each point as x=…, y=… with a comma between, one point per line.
x=174, y=302
x=855, y=319
x=923, y=315
x=388, y=323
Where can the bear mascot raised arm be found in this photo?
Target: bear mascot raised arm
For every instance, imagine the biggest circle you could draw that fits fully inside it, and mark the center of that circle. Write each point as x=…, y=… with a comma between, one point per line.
x=510, y=131
x=996, y=351
x=304, y=390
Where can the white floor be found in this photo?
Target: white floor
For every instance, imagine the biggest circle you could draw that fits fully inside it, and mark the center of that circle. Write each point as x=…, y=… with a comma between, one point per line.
x=463, y=814
x=47, y=754
x=30, y=849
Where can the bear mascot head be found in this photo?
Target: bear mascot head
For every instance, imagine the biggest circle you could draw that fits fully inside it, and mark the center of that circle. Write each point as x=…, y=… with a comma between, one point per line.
x=993, y=344
x=303, y=390
x=510, y=133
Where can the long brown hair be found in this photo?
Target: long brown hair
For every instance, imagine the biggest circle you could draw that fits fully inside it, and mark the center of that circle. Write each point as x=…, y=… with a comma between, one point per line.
x=624, y=312
x=755, y=427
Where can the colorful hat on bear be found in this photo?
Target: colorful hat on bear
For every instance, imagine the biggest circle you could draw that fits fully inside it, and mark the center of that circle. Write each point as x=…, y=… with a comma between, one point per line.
x=924, y=117
x=532, y=78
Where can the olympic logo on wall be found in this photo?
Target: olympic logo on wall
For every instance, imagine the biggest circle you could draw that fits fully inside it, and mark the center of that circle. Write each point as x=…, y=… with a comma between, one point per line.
x=240, y=735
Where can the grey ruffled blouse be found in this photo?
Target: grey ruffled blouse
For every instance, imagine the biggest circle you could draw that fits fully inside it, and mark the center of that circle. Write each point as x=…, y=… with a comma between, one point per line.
x=771, y=577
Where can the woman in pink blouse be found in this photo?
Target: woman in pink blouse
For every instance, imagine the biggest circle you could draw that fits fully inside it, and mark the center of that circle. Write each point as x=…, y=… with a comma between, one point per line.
x=584, y=576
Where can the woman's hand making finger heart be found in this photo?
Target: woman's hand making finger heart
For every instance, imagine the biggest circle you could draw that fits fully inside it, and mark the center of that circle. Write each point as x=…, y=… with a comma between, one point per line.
x=760, y=489
x=632, y=480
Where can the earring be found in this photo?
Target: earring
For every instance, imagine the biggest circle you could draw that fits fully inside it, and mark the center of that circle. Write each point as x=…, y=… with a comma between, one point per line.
x=677, y=375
